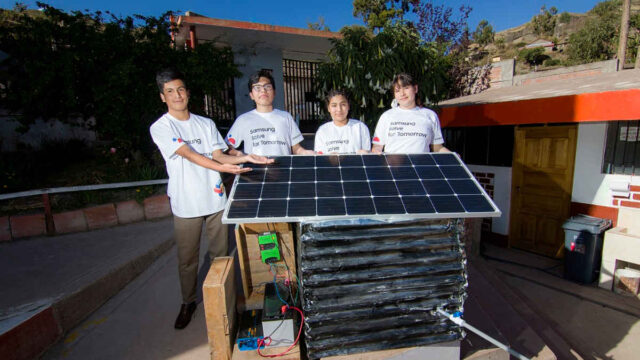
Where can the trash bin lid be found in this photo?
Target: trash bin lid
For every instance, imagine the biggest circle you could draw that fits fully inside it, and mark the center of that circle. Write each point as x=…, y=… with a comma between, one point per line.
x=594, y=225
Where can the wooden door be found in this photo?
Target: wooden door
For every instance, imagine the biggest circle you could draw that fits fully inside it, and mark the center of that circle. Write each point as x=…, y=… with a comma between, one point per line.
x=542, y=180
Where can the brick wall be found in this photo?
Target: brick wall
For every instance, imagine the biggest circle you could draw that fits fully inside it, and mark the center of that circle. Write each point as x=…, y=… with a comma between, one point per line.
x=633, y=201
x=486, y=180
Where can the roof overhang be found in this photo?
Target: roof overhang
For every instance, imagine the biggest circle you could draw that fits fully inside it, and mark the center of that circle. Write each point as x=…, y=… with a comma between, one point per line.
x=607, y=97
x=242, y=34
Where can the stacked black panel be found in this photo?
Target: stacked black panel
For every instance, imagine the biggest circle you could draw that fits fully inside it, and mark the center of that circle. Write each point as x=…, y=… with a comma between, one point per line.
x=371, y=286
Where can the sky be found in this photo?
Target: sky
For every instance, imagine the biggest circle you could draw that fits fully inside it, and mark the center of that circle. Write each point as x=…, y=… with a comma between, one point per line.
x=501, y=14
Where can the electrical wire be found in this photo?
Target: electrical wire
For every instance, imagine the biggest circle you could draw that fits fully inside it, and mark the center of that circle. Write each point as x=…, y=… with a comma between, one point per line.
x=275, y=284
x=261, y=342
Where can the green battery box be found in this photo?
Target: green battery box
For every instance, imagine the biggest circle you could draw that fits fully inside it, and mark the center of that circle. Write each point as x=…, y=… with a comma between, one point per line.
x=269, y=251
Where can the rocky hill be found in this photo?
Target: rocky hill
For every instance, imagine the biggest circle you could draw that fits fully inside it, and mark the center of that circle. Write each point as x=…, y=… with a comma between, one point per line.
x=511, y=42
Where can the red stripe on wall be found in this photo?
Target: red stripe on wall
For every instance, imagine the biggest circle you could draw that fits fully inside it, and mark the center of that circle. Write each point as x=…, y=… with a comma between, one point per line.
x=600, y=211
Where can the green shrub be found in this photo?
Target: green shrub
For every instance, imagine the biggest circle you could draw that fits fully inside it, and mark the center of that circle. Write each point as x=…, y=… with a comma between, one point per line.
x=552, y=62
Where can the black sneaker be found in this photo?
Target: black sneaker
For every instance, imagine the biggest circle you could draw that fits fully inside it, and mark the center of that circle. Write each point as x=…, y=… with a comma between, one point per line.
x=185, y=315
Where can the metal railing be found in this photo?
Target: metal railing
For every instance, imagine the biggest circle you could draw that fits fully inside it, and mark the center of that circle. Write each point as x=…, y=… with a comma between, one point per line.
x=48, y=215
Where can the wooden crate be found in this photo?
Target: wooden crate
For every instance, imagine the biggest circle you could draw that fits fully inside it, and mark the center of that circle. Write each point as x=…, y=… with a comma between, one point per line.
x=219, y=293
x=253, y=272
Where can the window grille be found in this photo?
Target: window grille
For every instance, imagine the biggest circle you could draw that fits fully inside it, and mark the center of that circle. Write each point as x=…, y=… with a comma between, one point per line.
x=482, y=145
x=622, y=148
x=299, y=93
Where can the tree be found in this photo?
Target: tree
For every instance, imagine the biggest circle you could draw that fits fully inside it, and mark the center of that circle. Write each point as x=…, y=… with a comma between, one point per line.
x=534, y=56
x=75, y=65
x=545, y=22
x=597, y=40
x=484, y=33
x=437, y=26
x=318, y=25
x=364, y=64
x=377, y=14
x=564, y=18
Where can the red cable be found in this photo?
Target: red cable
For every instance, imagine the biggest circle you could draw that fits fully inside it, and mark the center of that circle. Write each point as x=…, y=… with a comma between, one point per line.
x=261, y=341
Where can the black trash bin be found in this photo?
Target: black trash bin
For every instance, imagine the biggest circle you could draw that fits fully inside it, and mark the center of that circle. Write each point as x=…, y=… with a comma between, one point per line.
x=583, y=247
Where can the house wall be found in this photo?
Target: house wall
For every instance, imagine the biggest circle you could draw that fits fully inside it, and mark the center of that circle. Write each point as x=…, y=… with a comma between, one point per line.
x=251, y=60
x=497, y=182
x=591, y=188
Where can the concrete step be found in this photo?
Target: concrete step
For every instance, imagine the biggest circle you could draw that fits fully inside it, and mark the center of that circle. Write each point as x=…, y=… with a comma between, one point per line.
x=50, y=284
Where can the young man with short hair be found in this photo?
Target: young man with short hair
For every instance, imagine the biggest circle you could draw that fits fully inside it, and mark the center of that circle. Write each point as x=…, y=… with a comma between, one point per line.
x=265, y=130
x=193, y=151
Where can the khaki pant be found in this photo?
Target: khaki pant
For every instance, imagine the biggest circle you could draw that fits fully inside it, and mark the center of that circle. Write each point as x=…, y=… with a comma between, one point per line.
x=187, y=235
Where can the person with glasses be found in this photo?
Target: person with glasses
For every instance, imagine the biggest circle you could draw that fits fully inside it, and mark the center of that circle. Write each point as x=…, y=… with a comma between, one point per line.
x=265, y=131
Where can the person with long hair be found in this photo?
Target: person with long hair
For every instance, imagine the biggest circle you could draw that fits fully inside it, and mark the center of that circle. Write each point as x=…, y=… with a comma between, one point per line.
x=409, y=127
x=341, y=135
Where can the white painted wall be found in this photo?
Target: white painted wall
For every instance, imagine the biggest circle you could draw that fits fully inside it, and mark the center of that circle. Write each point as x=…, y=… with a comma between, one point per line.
x=251, y=60
x=590, y=185
x=501, y=195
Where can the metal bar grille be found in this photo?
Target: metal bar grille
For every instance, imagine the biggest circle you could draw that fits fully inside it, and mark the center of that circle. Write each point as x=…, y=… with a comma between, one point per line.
x=221, y=106
x=369, y=287
x=299, y=92
x=622, y=150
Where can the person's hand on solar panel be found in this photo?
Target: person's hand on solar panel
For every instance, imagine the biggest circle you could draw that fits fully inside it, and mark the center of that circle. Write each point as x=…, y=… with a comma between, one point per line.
x=257, y=159
x=233, y=169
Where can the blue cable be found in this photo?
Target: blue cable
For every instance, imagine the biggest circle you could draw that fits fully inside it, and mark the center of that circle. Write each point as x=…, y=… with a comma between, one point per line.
x=275, y=284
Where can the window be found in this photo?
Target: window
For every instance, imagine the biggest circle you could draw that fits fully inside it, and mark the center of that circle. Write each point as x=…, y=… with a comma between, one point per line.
x=483, y=145
x=622, y=148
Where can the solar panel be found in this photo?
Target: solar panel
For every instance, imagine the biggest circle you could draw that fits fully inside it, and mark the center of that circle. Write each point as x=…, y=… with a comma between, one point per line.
x=326, y=187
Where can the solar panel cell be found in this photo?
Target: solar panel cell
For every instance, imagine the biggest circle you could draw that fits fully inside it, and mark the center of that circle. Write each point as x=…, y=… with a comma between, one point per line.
x=446, y=204
x=383, y=188
x=410, y=187
x=272, y=208
x=327, y=174
x=331, y=207
x=360, y=206
x=329, y=189
x=389, y=205
x=301, y=207
x=356, y=189
x=302, y=190
x=378, y=173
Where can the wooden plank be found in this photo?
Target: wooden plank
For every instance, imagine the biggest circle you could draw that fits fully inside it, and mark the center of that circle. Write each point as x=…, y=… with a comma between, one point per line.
x=241, y=247
x=219, y=295
x=294, y=354
x=253, y=271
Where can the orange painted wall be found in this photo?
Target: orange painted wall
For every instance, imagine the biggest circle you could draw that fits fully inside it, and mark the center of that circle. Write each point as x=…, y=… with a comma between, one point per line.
x=605, y=106
x=604, y=212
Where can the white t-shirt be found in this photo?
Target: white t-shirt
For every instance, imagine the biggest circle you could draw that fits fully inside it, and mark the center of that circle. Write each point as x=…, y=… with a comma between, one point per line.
x=408, y=131
x=193, y=190
x=267, y=134
x=346, y=139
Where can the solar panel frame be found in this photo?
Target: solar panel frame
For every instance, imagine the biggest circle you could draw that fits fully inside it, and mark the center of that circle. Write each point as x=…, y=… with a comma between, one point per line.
x=396, y=186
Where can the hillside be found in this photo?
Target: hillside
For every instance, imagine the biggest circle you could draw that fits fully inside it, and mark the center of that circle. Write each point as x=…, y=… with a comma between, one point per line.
x=555, y=30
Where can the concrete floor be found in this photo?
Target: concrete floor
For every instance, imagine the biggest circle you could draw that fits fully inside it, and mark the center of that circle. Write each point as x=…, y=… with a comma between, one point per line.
x=596, y=323
x=581, y=322
x=137, y=323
